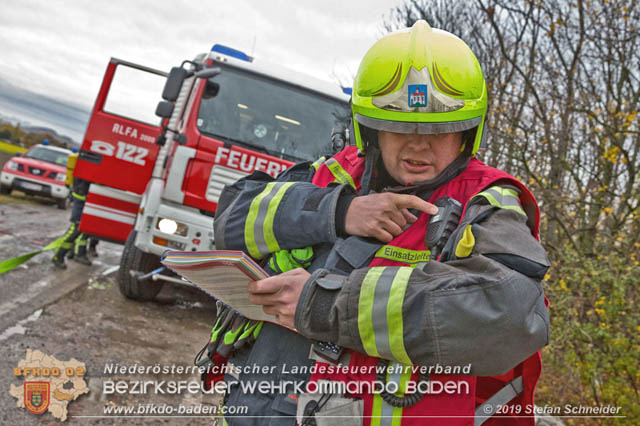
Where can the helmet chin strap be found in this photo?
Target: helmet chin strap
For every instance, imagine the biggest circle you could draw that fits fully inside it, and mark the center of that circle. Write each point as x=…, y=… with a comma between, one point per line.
x=372, y=155
x=371, y=159
x=451, y=171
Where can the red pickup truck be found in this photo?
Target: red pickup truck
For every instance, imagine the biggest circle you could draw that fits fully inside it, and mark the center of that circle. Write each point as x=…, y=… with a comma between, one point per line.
x=39, y=171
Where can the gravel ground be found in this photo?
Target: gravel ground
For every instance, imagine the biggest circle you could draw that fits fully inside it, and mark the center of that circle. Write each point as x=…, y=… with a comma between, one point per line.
x=79, y=313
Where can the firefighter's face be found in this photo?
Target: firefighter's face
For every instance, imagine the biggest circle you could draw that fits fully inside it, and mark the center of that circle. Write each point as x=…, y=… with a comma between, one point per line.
x=413, y=158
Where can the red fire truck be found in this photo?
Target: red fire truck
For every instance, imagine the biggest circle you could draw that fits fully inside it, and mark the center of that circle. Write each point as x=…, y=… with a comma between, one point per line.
x=223, y=115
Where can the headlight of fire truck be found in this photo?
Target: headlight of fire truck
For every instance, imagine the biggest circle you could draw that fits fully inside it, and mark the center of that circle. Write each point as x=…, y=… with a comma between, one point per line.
x=171, y=227
x=12, y=165
x=61, y=177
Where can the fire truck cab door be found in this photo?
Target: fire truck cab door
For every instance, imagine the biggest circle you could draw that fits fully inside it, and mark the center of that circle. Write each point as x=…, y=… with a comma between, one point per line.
x=119, y=148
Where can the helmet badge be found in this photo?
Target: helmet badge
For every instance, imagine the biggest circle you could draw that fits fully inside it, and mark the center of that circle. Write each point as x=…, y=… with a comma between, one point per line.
x=417, y=95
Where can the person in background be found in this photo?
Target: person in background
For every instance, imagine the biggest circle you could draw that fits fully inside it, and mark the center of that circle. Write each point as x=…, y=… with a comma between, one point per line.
x=75, y=244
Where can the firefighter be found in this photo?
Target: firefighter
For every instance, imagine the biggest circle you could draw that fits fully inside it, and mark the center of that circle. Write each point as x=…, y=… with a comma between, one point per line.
x=75, y=242
x=366, y=276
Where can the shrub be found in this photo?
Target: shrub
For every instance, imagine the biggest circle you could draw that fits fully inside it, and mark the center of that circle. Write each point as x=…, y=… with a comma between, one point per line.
x=593, y=357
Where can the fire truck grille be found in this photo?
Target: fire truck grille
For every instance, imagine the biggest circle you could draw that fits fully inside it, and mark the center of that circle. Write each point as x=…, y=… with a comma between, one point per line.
x=221, y=176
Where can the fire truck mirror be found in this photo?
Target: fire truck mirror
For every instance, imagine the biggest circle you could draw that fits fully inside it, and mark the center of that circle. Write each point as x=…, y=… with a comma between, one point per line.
x=173, y=84
x=164, y=109
x=208, y=73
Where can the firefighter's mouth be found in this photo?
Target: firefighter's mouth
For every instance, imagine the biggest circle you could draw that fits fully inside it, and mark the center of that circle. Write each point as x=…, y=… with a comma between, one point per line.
x=416, y=162
x=416, y=166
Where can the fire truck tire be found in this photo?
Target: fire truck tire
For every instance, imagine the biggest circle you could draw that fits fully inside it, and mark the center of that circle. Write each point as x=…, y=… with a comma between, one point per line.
x=133, y=259
x=5, y=190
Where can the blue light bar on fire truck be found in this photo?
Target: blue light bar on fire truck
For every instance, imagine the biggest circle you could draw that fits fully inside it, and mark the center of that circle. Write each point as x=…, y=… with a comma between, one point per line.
x=229, y=51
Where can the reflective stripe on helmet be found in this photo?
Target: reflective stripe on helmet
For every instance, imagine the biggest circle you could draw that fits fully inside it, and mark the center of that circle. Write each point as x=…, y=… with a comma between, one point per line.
x=418, y=128
x=418, y=86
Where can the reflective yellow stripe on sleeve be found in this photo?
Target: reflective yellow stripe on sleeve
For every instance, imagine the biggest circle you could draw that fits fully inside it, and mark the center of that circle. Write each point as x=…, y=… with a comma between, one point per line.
x=365, y=308
x=79, y=197
x=380, y=320
x=505, y=198
x=258, y=229
x=339, y=173
x=395, y=323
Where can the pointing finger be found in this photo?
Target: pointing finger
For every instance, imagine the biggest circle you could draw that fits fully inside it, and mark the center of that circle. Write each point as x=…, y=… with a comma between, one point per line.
x=404, y=201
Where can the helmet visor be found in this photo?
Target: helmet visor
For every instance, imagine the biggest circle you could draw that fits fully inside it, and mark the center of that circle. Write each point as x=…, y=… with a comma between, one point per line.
x=423, y=128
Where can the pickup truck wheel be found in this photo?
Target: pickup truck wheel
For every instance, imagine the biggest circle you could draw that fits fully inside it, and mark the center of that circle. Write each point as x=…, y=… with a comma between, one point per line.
x=5, y=190
x=63, y=203
x=133, y=259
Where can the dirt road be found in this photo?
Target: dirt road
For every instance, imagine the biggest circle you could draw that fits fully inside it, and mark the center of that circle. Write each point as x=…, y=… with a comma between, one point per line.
x=79, y=313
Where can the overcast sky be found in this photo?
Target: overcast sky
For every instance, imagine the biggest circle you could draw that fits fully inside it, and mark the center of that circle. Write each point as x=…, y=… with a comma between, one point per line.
x=61, y=48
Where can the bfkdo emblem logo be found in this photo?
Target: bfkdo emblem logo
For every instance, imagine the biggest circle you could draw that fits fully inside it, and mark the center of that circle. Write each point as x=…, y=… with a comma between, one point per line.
x=36, y=396
x=417, y=95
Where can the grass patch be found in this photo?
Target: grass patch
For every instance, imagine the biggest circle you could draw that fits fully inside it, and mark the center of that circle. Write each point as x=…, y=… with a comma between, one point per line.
x=18, y=197
x=11, y=148
x=6, y=199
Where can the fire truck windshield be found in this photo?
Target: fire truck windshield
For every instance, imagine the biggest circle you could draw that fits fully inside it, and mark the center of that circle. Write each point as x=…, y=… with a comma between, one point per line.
x=284, y=121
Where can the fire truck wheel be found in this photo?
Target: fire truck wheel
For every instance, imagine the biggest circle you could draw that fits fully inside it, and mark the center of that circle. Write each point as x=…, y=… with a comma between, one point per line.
x=5, y=190
x=136, y=260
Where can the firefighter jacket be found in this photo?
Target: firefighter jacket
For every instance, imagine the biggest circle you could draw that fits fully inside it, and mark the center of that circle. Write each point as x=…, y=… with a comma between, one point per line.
x=481, y=307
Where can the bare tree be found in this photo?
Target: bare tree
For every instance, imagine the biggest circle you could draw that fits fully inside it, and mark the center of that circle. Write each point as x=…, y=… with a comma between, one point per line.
x=563, y=86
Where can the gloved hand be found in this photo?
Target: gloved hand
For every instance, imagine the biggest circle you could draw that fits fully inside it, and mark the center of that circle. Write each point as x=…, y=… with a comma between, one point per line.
x=225, y=344
x=223, y=321
x=249, y=335
x=286, y=260
x=231, y=331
